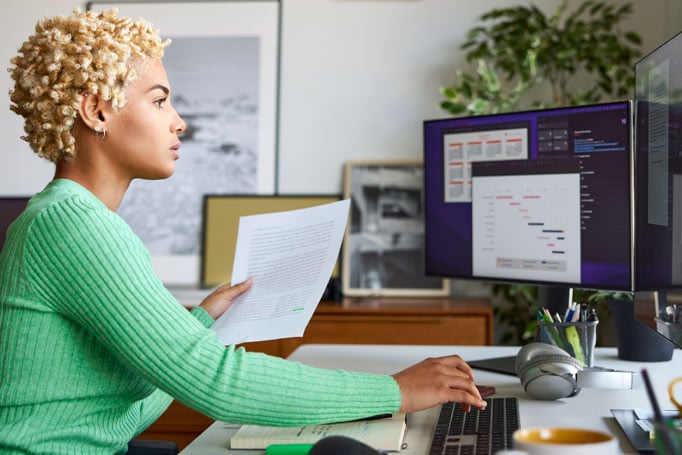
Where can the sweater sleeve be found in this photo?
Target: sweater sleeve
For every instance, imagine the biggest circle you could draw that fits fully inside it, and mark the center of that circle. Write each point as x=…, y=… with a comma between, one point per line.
x=92, y=268
x=151, y=409
x=203, y=317
x=156, y=404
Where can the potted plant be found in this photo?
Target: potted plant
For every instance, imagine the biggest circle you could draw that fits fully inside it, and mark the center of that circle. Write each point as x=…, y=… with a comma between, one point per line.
x=521, y=48
x=521, y=58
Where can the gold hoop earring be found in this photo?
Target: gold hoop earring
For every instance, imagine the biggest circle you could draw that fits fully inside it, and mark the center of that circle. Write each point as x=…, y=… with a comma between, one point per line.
x=101, y=133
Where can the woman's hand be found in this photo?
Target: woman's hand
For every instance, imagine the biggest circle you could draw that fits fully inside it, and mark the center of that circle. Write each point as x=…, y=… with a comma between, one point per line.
x=436, y=381
x=218, y=301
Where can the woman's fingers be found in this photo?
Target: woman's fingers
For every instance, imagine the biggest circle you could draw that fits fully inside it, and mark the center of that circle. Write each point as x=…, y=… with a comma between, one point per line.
x=221, y=298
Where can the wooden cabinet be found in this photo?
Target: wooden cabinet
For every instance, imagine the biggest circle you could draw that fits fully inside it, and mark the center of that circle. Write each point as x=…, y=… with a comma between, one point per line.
x=426, y=321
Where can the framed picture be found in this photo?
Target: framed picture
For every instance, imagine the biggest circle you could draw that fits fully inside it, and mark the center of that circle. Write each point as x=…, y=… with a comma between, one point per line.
x=223, y=66
x=383, y=251
x=221, y=224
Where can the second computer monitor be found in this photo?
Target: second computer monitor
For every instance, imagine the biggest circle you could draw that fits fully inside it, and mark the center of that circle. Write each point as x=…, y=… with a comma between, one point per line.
x=540, y=197
x=658, y=168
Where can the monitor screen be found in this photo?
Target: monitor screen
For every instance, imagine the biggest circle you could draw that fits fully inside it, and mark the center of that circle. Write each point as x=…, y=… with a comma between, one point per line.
x=539, y=197
x=10, y=208
x=658, y=168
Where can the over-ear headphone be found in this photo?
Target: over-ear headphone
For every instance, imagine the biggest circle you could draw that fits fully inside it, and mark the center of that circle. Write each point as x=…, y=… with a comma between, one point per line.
x=547, y=372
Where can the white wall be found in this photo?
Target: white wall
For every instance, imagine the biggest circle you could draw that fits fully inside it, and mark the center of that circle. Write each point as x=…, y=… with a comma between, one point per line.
x=357, y=79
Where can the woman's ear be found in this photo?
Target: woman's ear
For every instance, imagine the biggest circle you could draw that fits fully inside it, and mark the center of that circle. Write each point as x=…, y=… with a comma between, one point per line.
x=91, y=111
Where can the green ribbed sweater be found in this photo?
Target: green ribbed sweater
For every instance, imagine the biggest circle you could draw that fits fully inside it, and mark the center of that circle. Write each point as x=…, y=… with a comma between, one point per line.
x=93, y=347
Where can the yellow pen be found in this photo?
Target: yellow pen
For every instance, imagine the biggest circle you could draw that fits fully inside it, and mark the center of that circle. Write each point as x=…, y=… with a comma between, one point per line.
x=574, y=340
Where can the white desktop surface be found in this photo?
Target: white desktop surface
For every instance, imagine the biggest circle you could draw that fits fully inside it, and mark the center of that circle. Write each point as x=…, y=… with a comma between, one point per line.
x=591, y=408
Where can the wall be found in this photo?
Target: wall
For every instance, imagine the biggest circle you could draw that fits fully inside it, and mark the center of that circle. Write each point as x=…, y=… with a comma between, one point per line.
x=357, y=79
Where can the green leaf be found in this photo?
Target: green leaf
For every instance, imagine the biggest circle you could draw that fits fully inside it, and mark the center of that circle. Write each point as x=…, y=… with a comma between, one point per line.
x=448, y=92
x=633, y=38
x=453, y=108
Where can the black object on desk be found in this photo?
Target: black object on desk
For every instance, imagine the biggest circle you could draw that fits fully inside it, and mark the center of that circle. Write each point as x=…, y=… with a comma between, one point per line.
x=504, y=365
x=638, y=437
x=342, y=445
x=149, y=447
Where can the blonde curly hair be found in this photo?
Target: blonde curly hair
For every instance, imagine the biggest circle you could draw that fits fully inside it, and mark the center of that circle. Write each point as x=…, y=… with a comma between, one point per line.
x=68, y=56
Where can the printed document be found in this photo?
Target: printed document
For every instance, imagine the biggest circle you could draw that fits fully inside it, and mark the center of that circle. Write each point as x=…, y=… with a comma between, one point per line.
x=290, y=255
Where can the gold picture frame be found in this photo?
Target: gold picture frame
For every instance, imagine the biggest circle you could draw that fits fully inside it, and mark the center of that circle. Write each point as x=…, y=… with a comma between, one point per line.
x=221, y=224
x=383, y=249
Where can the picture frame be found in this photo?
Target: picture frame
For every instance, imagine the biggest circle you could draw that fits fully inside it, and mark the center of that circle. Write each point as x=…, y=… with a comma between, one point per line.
x=221, y=225
x=383, y=250
x=223, y=66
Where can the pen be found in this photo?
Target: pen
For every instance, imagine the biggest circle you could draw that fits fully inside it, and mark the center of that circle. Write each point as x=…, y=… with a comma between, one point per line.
x=583, y=311
x=374, y=417
x=592, y=317
x=658, y=415
x=544, y=316
x=576, y=314
x=547, y=315
x=568, y=317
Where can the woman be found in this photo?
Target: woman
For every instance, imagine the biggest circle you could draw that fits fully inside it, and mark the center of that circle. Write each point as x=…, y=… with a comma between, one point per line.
x=93, y=347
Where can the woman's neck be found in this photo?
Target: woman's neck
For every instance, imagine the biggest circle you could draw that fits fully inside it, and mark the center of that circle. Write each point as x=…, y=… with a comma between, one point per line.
x=105, y=187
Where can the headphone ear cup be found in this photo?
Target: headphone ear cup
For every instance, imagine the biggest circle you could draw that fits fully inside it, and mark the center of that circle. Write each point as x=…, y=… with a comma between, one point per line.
x=547, y=372
x=535, y=349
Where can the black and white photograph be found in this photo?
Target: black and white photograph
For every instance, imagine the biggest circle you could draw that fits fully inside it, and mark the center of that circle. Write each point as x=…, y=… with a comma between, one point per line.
x=384, y=245
x=223, y=74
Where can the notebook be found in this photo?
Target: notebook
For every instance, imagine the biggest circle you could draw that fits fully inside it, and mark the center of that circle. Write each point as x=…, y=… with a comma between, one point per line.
x=383, y=434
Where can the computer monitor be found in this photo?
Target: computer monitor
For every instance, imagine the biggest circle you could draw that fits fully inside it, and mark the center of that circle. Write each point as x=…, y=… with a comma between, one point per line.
x=539, y=197
x=658, y=168
x=658, y=188
x=10, y=208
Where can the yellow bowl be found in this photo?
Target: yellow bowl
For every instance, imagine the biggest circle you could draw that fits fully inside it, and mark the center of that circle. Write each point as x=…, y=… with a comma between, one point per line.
x=561, y=440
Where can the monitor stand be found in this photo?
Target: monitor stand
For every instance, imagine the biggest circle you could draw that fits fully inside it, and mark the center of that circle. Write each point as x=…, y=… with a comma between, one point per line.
x=555, y=299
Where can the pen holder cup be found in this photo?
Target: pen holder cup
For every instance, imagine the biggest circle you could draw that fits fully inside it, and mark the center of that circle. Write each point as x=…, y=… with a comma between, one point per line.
x=576, y=338
x=667, y=439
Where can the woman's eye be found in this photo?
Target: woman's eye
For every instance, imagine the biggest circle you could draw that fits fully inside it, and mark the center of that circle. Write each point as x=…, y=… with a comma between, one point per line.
x=160, y=102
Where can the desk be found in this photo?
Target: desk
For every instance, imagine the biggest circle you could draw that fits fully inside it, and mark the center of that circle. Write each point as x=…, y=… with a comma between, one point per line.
x=591, y=408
